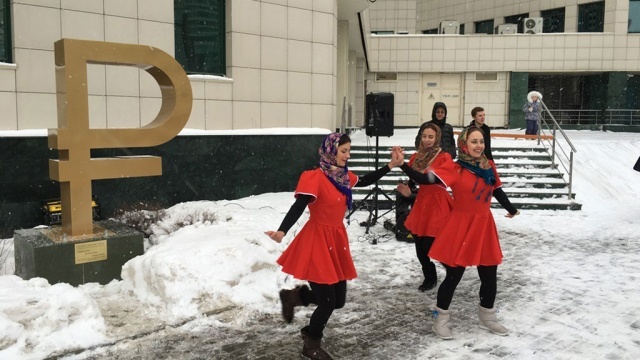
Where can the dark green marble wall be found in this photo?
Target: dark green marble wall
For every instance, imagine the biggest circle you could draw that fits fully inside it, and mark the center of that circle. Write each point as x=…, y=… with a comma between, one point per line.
x=616, y=90
x=194, y=168
x=517, y=97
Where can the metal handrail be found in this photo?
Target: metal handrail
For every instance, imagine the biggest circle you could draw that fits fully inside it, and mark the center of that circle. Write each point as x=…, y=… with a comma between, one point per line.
x=622, y=116
x=597, y=117
x=577, y=116
x=553, y=143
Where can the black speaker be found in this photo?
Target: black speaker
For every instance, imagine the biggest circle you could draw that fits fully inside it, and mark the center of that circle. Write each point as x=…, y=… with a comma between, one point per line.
x=379, y=114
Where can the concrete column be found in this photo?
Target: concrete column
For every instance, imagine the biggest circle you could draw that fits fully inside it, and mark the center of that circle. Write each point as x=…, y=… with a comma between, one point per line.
x=342, y=87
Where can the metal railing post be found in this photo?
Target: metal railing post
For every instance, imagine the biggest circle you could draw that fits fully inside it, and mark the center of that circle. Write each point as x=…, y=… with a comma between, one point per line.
x=570, y=197
x=556, y=152
x=553, y=148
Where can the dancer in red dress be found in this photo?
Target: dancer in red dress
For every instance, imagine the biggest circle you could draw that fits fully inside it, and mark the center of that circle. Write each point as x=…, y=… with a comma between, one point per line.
x=433, y=203
x=320, y=252
x=469, y=236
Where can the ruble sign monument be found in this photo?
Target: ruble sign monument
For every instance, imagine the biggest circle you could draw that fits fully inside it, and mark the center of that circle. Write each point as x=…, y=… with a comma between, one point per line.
x=75, y=169
x=74, y=253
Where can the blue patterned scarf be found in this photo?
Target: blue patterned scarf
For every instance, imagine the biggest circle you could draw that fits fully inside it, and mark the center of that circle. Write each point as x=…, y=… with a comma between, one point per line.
x=480, y=166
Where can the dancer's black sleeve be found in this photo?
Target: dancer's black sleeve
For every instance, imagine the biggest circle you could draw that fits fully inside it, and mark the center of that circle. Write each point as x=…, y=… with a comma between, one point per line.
x=418, y=177
x=504, y=201
x=295, y=212
x=372, y=177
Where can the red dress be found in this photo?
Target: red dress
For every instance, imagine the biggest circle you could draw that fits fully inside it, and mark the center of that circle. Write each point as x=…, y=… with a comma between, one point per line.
x=469, y=236
x=433, y=203
x=320, y=251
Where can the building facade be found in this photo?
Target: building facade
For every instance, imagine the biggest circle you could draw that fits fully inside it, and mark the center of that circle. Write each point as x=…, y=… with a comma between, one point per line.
x=582, y=55
x=310, y=63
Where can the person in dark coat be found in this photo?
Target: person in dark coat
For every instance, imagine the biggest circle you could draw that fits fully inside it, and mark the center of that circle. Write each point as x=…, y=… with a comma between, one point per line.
x=439, y=117
x=478, y=115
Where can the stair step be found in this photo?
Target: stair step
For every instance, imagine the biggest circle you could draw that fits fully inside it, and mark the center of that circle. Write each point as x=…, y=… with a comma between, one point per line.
x=358, y=149
x=509, y=181
x=533, y=182
x=520, y=155
x=529, y=173
x=512, y=192
x=511, y=161
x=527, y=164
x=519, y=203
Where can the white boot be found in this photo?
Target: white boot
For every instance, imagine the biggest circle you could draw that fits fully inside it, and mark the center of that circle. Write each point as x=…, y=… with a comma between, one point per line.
x=441, y=323
x=489, y=321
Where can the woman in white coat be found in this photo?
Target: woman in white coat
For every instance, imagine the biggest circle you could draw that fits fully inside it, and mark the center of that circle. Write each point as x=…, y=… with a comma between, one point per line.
x=532, y=111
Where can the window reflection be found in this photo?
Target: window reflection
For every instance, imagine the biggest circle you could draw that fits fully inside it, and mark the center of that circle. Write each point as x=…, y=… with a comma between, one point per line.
x=553, y=20
x=634, y=16
x=591, y=17
x=200, y=36
x=5, y=31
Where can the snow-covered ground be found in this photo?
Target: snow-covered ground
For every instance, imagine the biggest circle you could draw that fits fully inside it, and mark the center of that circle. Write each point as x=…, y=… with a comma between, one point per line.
x=568, y=287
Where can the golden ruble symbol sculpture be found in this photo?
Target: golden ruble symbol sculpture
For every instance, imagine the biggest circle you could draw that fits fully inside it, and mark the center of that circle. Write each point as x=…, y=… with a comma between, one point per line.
x=74, y=139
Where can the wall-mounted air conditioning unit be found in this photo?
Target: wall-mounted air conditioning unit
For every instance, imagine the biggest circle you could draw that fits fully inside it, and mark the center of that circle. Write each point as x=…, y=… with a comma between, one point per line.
x=449, y=27
x=506, y=29
x=533, y=25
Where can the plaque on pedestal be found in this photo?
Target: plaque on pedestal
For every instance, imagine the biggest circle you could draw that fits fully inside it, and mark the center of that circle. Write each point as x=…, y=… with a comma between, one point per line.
x=51, y=254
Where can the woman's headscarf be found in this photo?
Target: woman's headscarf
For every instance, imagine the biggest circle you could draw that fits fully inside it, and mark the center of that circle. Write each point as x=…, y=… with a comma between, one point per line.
x=479, y=166
x=339, y=176
x=426, y=155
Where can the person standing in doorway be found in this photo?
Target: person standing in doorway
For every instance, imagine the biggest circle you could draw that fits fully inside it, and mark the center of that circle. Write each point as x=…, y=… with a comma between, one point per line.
x=439, y=117
x=320, y=252
x=532, y=112
x=478, y=115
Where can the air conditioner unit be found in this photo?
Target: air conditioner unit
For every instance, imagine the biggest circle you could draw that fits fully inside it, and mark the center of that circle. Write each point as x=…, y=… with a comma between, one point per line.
x=449, y=27
x=506, y=29
x=533, y=25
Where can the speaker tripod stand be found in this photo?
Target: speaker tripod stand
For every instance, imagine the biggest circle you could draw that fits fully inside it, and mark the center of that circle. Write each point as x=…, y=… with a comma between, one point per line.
x=373, y=217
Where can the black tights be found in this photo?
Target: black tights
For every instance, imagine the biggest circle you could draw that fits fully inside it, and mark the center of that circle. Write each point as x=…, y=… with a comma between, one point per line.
x=423, y=245
x=488, y=285
x=328, y=298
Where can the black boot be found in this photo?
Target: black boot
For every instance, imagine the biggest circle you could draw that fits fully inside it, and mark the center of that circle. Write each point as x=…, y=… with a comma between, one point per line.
x=430, y=277
x=311, y=348
x=290, y=299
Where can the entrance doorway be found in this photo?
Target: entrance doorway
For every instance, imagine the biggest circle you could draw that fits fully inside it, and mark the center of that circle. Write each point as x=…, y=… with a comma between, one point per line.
x=446, y=88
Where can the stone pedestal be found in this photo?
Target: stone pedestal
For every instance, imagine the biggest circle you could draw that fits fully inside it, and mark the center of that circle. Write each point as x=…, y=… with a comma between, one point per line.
x=50, y=254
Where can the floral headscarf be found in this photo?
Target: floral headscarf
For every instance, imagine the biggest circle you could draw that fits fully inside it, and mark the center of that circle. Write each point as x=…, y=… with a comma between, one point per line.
x=479, y=166
x=339, y=176
x=424, y=155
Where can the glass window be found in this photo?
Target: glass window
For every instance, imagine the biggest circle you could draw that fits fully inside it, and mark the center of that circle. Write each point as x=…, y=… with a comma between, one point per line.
x=591, y=17
x=484, y=27
x=634, y=16
x=200, y=36
x=5, y=31
x=430, y=31
x=461, y=29
x=553, y=20
x=517, y=19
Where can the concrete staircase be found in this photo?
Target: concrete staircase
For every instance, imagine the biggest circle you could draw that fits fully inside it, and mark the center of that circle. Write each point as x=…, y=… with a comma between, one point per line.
x=529, y=179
